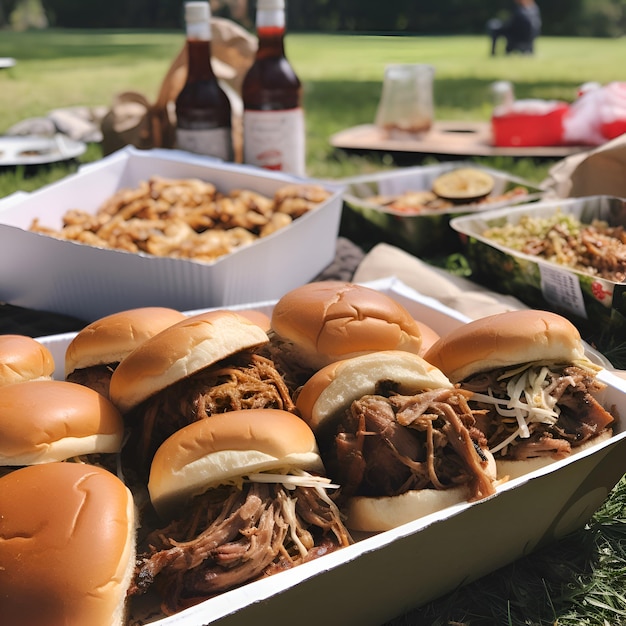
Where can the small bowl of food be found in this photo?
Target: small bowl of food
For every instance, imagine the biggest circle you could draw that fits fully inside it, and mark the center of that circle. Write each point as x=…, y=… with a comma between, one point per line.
x=412, y=207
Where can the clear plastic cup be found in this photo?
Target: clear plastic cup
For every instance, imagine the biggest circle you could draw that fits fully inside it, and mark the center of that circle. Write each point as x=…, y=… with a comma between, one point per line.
x=406, y=107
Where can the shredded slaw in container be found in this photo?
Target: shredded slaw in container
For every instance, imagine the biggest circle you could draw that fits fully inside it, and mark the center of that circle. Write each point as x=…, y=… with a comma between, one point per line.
x=597, y=248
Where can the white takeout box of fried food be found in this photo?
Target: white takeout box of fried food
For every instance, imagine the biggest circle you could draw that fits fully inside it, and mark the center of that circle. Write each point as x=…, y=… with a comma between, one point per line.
x=49, y=274
x=388, y=574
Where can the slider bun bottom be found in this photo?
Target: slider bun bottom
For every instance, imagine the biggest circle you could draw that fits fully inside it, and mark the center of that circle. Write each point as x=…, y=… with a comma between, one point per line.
x=507, y=469
x=384, y=513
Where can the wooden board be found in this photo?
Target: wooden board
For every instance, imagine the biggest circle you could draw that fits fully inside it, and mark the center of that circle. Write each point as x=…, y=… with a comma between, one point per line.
x=445, y=138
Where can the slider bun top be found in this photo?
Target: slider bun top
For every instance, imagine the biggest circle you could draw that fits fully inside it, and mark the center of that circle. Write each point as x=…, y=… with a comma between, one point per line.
x=24, y=358
x=332, y=389
x=53, y=420
x=68, y=545
x=258, y=317
x=109, y=339
x=506, y=339
x=179, y=351
x=224, y=447
x=332, y=320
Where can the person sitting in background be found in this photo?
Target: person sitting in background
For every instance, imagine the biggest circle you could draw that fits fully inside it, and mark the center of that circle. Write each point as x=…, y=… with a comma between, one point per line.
x=520, y=30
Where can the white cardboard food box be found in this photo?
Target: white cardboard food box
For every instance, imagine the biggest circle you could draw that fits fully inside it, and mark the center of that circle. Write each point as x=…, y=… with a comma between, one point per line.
x=48, y=274
x=383, y=576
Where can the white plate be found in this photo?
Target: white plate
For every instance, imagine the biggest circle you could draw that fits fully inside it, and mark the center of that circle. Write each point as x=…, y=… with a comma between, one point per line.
x=34, y=150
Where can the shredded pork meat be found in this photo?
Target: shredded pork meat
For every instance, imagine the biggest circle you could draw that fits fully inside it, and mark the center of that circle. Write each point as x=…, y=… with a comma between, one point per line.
x=580, y=415
x=389, y=444
x=244, y=381
x=231, y=536
x=288, y=361
x=97, y=377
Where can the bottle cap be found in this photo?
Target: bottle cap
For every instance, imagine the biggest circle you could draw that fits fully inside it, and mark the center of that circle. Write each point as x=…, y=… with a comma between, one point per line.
x=197, y=12
x=270, y=5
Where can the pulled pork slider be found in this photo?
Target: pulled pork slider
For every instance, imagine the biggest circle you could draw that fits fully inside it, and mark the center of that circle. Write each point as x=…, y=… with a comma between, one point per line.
x=204, y=365
x=245, y=497
x=398, y=438
x=67, y=546
x=326, y=321
x=533, y=387
x=96, y=350
x=42, y=421
x=23, y=358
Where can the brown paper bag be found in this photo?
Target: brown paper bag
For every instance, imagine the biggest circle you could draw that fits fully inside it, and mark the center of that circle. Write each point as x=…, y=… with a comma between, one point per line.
x=134, y=120
x=590, y=173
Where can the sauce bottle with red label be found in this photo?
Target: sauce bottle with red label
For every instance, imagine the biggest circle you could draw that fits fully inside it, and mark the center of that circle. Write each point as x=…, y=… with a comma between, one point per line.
x=203, y=110
x=273, y=117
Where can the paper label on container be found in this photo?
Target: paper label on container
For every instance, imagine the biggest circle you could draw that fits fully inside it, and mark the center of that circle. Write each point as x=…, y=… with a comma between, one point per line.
x=215, y=142
x=562, y=288
x=275, y=140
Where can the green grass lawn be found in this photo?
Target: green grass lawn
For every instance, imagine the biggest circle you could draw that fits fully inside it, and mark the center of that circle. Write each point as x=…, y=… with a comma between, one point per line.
x=578, y=581
x=342, y=78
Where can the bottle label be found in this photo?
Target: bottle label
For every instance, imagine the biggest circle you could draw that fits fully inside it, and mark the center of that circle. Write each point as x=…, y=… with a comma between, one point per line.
x=275, y=140
x=215, y=142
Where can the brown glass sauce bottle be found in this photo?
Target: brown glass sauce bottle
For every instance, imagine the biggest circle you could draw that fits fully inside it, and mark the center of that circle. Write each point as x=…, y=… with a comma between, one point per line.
x=274, y=134
x=203, y=110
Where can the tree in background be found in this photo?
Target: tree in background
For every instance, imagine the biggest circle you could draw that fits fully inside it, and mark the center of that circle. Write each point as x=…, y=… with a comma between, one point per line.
x=595, y=18
x=6, y=8
x=602, y=19
x=114, y=13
